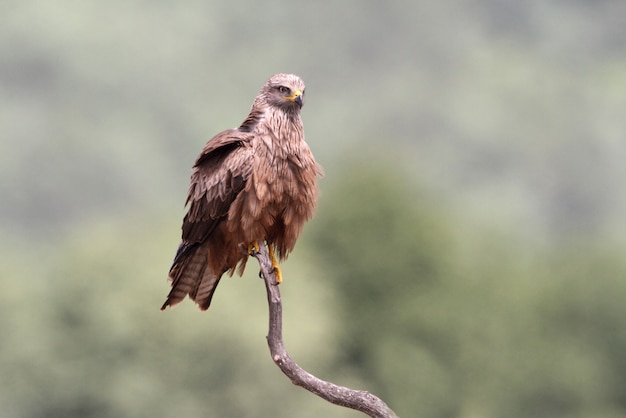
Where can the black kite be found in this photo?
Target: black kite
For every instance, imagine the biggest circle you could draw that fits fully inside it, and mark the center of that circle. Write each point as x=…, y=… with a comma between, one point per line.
x=250, y=185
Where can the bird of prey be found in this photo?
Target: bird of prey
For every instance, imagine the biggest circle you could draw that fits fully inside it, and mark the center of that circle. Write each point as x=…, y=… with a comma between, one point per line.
x=251, y=185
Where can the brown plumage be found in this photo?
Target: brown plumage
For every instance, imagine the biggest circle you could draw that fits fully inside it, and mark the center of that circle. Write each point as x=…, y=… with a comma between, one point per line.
x=252, y=184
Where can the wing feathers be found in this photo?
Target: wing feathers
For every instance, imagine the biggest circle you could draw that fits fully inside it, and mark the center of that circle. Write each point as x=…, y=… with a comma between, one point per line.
x=219, y=175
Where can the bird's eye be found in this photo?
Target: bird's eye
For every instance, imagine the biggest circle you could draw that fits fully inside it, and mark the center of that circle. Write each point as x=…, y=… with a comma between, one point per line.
x=283, y=89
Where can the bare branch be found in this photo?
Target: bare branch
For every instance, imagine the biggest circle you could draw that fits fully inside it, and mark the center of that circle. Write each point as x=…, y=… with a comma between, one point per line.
x=356, y=399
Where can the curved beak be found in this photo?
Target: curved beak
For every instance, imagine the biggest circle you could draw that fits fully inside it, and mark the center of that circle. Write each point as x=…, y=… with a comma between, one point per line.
x=297, y=97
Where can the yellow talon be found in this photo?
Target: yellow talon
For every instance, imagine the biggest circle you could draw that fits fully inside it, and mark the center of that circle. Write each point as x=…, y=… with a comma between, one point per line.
x=275, y=266
x=253, y=248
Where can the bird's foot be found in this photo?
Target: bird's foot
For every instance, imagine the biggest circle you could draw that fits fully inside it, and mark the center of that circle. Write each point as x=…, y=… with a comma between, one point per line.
x=275, y=266
x=279, y=274
x=253, y=248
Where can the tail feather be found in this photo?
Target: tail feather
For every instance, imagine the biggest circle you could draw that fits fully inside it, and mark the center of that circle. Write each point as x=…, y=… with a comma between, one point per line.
x=191, y=275
x=206, y=287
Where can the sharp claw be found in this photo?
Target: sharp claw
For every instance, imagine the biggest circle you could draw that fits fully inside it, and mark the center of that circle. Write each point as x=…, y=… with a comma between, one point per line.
x=279, y=274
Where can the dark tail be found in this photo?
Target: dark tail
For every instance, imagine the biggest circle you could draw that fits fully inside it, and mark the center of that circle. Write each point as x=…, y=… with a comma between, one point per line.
x=191, y=275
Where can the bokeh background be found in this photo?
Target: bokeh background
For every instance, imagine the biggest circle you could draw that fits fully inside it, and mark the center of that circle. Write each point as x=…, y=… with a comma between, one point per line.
x=467, y=257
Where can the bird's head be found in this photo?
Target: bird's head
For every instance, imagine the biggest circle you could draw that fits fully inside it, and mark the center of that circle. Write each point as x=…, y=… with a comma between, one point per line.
x=285, y=91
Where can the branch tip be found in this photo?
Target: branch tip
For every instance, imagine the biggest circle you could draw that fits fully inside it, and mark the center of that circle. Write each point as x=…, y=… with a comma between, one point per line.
x=359, y=400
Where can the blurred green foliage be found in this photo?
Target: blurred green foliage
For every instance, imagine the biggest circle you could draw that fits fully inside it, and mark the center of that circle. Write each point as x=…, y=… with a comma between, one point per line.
x=466, y=259
x=443, y=319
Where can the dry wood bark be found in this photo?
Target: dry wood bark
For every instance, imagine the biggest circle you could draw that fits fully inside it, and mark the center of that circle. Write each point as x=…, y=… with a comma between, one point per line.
x=356, y=399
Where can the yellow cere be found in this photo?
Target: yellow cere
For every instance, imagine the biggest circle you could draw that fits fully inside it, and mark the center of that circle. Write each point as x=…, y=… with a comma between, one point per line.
x=293, y=97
